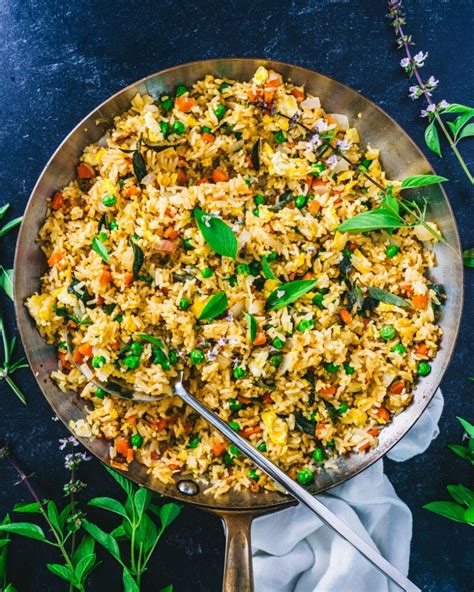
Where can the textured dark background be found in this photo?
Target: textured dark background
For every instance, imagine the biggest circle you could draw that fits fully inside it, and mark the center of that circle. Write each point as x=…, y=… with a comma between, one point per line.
x=60, y=59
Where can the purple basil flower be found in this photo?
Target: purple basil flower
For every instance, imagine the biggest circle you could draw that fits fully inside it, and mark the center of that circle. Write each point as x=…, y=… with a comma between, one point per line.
x=419, y=59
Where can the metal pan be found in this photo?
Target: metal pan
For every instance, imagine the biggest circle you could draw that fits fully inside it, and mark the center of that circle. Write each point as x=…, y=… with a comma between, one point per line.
x=401, y=157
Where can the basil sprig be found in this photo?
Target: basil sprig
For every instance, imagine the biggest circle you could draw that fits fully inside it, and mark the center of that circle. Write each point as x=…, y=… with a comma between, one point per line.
x=217, y=234
x=215, y=306
x=100, y=248
x=387, y=297
x=267, y=272
x=288, y=293
x=252, y=326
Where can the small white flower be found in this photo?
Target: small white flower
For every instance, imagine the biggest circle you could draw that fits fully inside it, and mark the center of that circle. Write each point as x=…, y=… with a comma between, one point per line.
x=315, y=141
x=443, y=104
x=415, y=92
x=310, y=250
x=332, y=161
x=404, y=63
x=221, y=341
x=232, y=341
x=280, y=293
x=229, y=317
x=63, y=442
x=322, y=126
x=419, y=59
x=343, y=144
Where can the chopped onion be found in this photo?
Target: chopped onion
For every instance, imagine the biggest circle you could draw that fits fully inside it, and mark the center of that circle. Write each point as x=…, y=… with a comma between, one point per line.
x=311, y=103
x=341, y=165
x=341, y=120
x=84, y=368
x=147, y=179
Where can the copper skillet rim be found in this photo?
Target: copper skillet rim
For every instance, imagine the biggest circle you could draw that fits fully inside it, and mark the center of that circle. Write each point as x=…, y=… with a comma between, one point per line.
x=273, y=506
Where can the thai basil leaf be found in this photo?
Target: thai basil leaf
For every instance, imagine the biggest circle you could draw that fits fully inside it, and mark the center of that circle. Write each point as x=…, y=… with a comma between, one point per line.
x=168, y=514
x=62, y=571
x=108, y=503
x=267, y=272
x=466, y=132
x=305, y=425
x=461, y=494
x=255, y=156
x=10, y=225
x=139, y=165
x=373, y=220
x=84, y=566
x=288, y=293
x=345, y=264
x=468, y=427
x=26, y=529
x=331, y=410
x=217, y=234
x=103, y=222
x=6, y=281
x=182, y=277
x=285, y=198
x=447, y=510
x=456, y=125
x=27, y=508
x=215, y=306
x=388, y=297
x=81, y=293
x=421, y=181
x=129, y=584
x=156, y=342
x=3, y=210
x=312, y=393
x=432, y=138
x=138, y=258
x=457, y=108
x=103, y=538
x=252, y=325
x=462, y=451
x=100, y=248
x=124, y=483
x=159, y=148
x=84, y=549
x=468, y=257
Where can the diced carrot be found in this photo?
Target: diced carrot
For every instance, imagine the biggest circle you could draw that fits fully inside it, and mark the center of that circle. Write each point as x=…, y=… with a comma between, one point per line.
x=249, y=162
x=181, y=178
x=160, y=424
x=267, y=399
x=133, y=190
x=310, y=180
x=328, y=390
x=65, y=363
x=273, y=83
x=78, y=357
x=308, y=276
x=128, y=278
x=247, y=432
x=55, y=258
x=219, y=175
x=175, y=467
x=122, y=445
x=374, y=432
x=100, y=300
x=268, y=95
x=244, y=400
x=116, y=345
x=105, y=277
x=85, y=349
x=352, y=246
x=314, y=206
x=166, y=246
x=383, y=414
x=330, y=120
x=130, y=455
x=320, y=427
x=203, y=180
x=218, y=448
x=397, y=387
x=57, y=201
x=346, y=316
x=420, y=301
x=171, y=233
x=364, y=447
x=252, y=95
x=319, y=186
x=72, y=324
x=292, y=275
x=154, y=455
x=298, y=94
x=85, y=171
x=132, y=418
x=208, y=138
x=421, y=349
x=408, y=288
x=185, y=104
x=260, y=337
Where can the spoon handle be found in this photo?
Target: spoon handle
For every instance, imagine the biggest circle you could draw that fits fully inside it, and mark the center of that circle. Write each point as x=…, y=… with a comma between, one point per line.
x=298, y=492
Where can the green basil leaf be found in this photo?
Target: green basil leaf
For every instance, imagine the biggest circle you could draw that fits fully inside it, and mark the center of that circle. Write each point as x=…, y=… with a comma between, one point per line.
x=159, y=148
x=215, y=306
x=139, y=165
x=103, y=538
x=146, y=534
x=64, y=515
x=31, y=531
x=306, y=425
x=468, y=257
x=62, y=571
x=168, y=514
x=86, y=547
x=10, y=225
x=461, y=451
x=468, y=428
x=167, y=589
x=3, y=210
x=284, y=199
x=252, y=325
x=432, y=138
x=119, y=532
x=461, y=494
x=255, y=156
x=458, y=123
x=390, y=203
x=52, y=511
x=388, y=297
x=129, y=584
x=151, y=339
x=6, y=281
x=466, y=132
x=288, y=293
x=267, y=272
x=373, y=220
x=84, y=566
x=447, y=509
x=457, y=108
x=421, y=181
x=27, y=508
x=141, y=500
x=138, y=259
x=108, y=503
x=217, y=234
x=100, y=248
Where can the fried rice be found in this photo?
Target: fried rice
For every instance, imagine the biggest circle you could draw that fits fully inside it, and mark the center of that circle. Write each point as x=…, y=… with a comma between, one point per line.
x=132, y=268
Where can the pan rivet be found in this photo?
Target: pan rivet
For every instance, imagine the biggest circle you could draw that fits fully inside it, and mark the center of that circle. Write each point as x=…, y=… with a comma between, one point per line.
x=188, y=487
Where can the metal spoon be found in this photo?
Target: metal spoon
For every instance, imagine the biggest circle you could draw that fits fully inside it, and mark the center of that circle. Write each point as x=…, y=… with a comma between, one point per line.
x=119, y=389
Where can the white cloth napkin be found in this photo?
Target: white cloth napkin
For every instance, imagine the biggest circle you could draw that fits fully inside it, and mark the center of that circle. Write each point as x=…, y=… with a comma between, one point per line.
x=293, y=551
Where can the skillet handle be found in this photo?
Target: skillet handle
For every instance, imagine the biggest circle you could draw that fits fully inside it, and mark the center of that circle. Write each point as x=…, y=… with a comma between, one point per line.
x=238, y=574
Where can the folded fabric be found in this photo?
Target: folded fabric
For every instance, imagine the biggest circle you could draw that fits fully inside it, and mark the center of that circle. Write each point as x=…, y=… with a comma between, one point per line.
x=294, y=551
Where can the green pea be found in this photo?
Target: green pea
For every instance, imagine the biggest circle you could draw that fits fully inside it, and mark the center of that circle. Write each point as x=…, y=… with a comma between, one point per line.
x=391, y=251
x=98, y=361
x=254, y=268
x=235, y=405
x=423, y=369
x=223, y=87
x=239, y=372
x=331, y=368
x=318, y=455
x=196, y=356
x=121, y=182
x=219, y=111
x=399, y=348
x=318, y=300
x=232, y=279
x=164, y=128
x=181, y=90
x=179, y=127
x=194, y=441
x=234, y=425
x=167, y=104
x=100, y=393
x=256, y=212
x=172, y=356
x=228, y=459
x=207, y=272
x=136, y=440
x=300, y=201
x=159, y=357
x=238, y=135
x=132, y=362
x=278, y=343
x=109, y=200
x=387, y=332
x=119, y=318
x=253, y=474
x=184, y=303
x=136, y=348
x=364, y=164
x=113, y=225
x=102, y=236
x=62, y=345
x=187, y=244
x=276, y=360
x=343, y=407
x=234, y=450
x=259, y=199
x=318, y=168
x=314, y=416
x=272, y=256
x=262, y=447
x=304, y=476
x=242, y=269
x=348, y=369
x=280, y=137
x=205, y=129
x=330, y=444
x=304, y=325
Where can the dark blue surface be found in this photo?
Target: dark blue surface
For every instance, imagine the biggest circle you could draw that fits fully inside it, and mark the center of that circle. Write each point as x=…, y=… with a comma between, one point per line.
x=59, y=60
